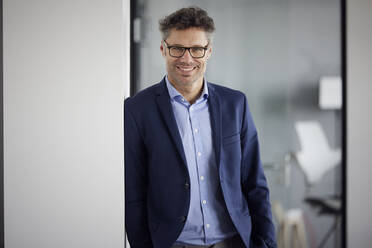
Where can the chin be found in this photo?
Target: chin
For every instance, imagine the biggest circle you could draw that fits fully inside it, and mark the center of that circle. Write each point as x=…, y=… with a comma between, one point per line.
x=187, y=80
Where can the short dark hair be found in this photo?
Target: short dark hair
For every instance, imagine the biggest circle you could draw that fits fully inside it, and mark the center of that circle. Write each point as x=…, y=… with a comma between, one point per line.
x=191, y=17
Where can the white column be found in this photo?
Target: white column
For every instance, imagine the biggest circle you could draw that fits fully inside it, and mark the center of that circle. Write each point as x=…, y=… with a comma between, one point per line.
x=65, y=76
x=359, y=119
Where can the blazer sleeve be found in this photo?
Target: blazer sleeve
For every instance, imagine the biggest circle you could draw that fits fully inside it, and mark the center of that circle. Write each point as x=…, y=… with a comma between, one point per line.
x=254, y=185
x=136, y=223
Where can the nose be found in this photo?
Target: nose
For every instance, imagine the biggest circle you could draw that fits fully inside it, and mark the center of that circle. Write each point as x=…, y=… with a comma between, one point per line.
x=187, y=56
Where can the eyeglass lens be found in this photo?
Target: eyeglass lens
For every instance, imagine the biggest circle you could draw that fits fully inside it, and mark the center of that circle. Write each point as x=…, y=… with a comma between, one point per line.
x=196, y=52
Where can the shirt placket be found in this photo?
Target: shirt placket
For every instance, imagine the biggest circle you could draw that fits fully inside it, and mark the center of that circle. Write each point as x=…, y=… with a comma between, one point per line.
x=201, y=169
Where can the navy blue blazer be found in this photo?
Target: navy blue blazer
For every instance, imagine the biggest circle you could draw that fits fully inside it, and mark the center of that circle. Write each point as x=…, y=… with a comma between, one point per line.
x=157, y=183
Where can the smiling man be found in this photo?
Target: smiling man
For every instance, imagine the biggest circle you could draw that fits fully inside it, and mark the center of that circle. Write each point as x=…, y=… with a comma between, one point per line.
x=193, y=176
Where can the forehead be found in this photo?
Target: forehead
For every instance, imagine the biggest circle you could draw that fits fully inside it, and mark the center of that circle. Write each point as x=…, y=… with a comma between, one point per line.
x=188, y=37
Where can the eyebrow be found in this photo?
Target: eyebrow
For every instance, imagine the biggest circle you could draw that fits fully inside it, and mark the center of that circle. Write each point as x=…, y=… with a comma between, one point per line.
x=180, y=45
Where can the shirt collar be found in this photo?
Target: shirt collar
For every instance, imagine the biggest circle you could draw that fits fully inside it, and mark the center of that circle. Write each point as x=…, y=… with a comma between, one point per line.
x=173, y=93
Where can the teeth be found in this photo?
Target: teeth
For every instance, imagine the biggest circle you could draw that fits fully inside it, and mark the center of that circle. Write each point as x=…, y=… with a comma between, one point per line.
x=186, y=68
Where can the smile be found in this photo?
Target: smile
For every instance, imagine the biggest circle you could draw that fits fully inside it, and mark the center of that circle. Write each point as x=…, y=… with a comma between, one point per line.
x=186, y=68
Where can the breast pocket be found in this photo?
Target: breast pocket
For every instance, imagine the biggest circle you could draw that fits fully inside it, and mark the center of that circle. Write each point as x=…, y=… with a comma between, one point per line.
x=231, y=139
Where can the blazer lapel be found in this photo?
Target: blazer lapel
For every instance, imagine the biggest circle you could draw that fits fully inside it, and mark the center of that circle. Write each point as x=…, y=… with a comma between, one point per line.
x=216, y=121
x=166, y=111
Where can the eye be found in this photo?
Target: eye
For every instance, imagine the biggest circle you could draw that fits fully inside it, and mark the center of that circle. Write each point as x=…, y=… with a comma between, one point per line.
x=197, y=52
x=197, y=49
x=178, y=49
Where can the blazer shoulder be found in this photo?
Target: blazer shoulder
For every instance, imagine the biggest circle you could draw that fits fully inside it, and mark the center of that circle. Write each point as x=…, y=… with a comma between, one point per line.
x=227, y=93
x=143, y=97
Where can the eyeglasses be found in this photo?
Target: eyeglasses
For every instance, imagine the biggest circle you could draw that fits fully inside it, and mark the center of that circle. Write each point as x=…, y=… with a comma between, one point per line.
x=179, y=51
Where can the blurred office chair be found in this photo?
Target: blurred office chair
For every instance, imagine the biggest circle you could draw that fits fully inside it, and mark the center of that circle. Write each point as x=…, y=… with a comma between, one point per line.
x=315, y=159
x=290, y=227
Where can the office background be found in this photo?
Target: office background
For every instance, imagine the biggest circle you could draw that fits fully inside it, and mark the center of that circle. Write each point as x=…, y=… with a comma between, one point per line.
x=65, y=74
x=275, y=52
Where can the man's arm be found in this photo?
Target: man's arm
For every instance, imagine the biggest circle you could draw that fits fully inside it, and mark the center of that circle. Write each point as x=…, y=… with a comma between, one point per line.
x=136, y=223
x=254, y=185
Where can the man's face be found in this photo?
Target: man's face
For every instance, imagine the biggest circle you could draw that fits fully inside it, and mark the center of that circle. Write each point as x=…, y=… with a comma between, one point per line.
x=186, y=70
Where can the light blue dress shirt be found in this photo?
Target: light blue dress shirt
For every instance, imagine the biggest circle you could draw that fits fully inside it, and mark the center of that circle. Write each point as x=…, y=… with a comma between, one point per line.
x=208, y=221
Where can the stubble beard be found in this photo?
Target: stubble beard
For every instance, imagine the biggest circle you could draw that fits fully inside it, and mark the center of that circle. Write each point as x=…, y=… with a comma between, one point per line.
x=184, y=80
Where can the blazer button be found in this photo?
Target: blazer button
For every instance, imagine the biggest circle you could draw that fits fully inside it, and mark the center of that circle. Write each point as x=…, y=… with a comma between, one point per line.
x=183, y=219
x=187, y=185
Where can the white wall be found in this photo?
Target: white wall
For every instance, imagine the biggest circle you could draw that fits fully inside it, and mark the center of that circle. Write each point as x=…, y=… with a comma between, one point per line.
x=65, y=68
x=359, y=94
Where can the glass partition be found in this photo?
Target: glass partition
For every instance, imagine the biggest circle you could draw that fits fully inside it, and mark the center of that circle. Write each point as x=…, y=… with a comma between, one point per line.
x=285, y=55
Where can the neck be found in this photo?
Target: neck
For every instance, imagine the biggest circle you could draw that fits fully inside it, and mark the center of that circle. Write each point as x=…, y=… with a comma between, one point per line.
x=190, y=92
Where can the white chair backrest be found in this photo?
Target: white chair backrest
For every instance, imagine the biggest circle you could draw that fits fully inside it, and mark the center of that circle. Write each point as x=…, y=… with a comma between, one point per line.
x=315, y=157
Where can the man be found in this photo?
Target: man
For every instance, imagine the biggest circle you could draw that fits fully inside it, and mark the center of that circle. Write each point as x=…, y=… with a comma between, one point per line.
x=193, y=176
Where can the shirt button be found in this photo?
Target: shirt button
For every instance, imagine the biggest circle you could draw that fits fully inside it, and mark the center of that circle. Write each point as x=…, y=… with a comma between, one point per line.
x=207, y=225
x=183, y=99
x=199, y=154
x=196, y=130
x=204, y=202
x=201, y=178
x=191, y=108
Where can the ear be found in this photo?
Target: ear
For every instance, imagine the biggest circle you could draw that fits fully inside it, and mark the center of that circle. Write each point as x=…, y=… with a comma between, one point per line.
x=209, y=52
x=162, y=49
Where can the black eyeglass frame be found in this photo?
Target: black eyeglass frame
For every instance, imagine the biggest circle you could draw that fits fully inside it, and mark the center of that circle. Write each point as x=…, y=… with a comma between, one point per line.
x=186, y=48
